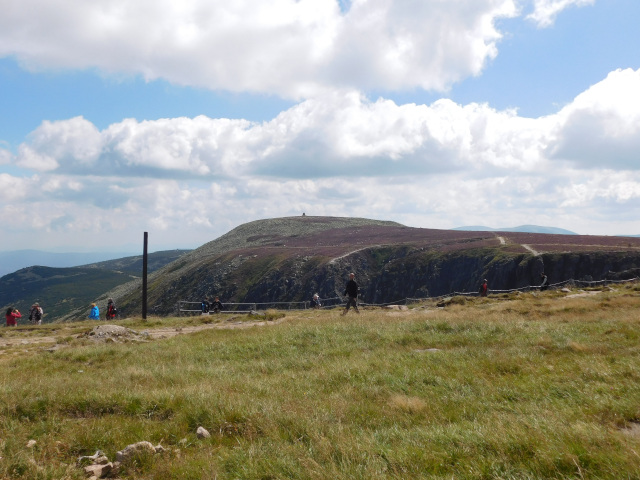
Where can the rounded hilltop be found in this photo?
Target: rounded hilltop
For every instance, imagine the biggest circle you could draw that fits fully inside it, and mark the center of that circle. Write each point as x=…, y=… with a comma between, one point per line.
x=289, y=259
x=260, y=232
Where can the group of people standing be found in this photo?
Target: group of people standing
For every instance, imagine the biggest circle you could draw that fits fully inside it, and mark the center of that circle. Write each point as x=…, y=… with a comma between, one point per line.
x=35, y=315
x=216, y=306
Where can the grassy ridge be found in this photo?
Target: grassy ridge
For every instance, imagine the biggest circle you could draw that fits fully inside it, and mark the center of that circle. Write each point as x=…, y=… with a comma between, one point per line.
x=523, y=387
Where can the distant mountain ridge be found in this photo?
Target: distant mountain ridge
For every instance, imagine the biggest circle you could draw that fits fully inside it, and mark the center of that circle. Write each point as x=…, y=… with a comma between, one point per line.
x=11, y=261
x=66, y=293
x=521, y=229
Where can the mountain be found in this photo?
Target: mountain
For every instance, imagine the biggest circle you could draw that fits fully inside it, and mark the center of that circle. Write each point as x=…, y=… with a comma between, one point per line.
x=11, y=261
x=521, y=228
x=289, y=259
x=68, y=292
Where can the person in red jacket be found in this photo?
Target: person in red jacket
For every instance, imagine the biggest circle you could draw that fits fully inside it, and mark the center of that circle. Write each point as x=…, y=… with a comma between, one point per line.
x=12, y=317
x=483, y=288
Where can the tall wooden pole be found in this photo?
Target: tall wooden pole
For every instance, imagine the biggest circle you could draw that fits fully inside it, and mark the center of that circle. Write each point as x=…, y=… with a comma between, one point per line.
x=144, y=277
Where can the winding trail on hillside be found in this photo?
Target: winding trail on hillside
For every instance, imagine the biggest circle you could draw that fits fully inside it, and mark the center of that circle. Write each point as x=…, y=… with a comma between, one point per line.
x=535, y=253
x=334, y=260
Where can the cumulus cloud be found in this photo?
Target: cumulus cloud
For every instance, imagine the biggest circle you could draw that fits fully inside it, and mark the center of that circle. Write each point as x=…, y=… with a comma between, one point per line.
x=438, y=166
x=5, y=156
x=546, y=11
x=601, y=127
x=75, y=141
x=292, y=48
x=316, y=138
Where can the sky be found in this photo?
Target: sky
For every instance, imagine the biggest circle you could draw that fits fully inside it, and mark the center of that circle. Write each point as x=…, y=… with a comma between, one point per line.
x=188, y=118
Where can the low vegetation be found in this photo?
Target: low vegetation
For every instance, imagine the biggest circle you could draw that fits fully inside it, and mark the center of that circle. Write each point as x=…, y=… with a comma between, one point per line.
x=528, y=386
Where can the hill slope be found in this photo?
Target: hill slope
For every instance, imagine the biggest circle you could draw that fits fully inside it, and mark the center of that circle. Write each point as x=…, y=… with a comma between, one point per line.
x=289, y=259
x=67, y=292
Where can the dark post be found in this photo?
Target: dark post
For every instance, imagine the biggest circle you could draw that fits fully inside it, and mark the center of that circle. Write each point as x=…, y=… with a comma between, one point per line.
x=144, y=277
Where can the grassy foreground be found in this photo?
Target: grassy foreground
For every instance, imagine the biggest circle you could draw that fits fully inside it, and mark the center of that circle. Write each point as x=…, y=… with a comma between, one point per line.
x=526, y=387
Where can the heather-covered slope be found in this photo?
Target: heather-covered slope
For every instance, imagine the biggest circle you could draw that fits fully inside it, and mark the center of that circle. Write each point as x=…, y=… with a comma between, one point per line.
x=288, y=259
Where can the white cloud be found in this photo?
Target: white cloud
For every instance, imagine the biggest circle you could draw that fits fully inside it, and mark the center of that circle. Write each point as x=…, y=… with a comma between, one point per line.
x=5, y=156
x=601, y=127
x=546, y=11
x=292, y=48
x=312, y=139
x=54, y=144
x=438, y=165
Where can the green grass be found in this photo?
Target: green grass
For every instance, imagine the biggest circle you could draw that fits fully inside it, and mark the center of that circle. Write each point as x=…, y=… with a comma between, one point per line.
x=533, y=387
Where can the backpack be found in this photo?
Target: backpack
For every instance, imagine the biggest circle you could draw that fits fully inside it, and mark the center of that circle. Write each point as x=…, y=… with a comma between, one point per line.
x=35, y=315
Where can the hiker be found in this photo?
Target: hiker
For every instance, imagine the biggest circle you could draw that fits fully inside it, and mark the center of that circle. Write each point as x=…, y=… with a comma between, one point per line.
x=545, y=282
x=351, y=291
x=95, y=312
x=484, y=287
x=315, y=301
x=112, y=311
x=35, y=314
x=12, y=316
x=216, y=305
x=205, y=306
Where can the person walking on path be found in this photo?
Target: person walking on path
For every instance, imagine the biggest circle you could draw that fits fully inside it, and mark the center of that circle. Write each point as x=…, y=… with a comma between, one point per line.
x=351, y=291
x=12, y=317
x=545, y=282
x=95, y=312
x=35, y=314
x=484, y=288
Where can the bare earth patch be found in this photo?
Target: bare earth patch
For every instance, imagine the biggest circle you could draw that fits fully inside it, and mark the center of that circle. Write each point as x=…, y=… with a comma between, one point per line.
x=583, y=294
x=117, y=333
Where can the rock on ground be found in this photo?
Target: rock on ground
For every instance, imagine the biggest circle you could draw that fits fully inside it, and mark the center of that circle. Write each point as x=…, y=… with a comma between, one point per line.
x=115, y=333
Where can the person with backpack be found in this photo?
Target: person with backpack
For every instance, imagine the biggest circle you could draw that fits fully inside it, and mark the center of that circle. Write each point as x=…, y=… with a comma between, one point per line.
x=112, y=311
x=35, y=314
x=205, y=306
x=351, y=292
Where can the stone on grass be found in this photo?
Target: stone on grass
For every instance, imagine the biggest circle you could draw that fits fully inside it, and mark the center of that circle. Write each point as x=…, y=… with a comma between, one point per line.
x=31, y=443
x=99, y=471
x=202, y=433
x=135, y=449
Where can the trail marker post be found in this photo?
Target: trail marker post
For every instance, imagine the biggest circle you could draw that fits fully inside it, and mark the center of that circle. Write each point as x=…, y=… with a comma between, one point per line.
x=144, y=276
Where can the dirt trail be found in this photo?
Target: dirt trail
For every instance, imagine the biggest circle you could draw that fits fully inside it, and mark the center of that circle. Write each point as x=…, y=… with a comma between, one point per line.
x=155, y=333
x=334, y=260
x=528, y=247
